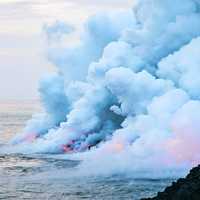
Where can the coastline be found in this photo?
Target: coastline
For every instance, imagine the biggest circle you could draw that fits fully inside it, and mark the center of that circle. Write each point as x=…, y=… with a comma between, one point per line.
x=187, y=188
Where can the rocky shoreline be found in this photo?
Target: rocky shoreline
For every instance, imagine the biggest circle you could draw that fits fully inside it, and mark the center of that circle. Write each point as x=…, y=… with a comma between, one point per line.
x=187, y=188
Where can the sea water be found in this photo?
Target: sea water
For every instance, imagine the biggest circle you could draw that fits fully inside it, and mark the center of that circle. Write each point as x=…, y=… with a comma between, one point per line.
x=41, y=177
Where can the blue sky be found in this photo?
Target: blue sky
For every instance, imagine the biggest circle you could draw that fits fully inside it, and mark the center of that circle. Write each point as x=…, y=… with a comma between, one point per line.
x=22, y=49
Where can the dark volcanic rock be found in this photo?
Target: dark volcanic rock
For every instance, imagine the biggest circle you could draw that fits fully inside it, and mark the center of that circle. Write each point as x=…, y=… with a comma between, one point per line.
x=184, y=189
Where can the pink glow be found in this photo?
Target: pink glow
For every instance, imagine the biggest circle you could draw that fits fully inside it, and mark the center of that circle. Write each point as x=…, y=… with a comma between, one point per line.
x=185, y=145
x=30, y=137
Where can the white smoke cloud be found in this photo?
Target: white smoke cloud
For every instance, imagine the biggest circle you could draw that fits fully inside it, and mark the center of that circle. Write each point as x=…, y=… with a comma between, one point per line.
x=57, y=30
x=183, y=70
x=126, y=97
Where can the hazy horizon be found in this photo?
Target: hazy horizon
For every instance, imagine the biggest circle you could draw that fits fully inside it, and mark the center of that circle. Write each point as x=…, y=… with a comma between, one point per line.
x=22, y=47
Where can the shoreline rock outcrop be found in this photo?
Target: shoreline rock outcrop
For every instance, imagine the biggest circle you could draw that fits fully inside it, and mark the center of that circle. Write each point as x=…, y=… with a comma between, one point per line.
x=187, y=188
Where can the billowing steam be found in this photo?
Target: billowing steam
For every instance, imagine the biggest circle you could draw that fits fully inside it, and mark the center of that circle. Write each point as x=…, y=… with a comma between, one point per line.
x=128, y=94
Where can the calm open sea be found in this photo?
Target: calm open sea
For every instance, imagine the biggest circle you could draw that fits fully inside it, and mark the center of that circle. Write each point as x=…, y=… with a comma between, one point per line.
x=42, y=177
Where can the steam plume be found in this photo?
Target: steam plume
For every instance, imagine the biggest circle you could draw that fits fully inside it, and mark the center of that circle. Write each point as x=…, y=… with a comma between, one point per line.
x=128, y=93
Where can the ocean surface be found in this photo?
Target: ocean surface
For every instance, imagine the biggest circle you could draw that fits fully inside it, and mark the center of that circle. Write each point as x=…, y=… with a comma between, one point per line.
x=42, y=177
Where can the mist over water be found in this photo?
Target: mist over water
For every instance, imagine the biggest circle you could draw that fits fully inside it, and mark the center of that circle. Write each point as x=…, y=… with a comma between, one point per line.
x=48, y=176
x=41, y=178
x=13, y=117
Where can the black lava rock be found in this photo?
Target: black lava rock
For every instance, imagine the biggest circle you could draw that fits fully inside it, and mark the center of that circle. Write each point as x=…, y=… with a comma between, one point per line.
x=184, y=189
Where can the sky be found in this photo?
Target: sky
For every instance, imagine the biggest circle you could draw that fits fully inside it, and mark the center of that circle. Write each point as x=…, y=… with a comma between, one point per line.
x=22, y=45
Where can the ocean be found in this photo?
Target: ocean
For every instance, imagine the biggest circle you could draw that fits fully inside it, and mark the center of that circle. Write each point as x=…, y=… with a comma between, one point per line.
x=43, y=177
